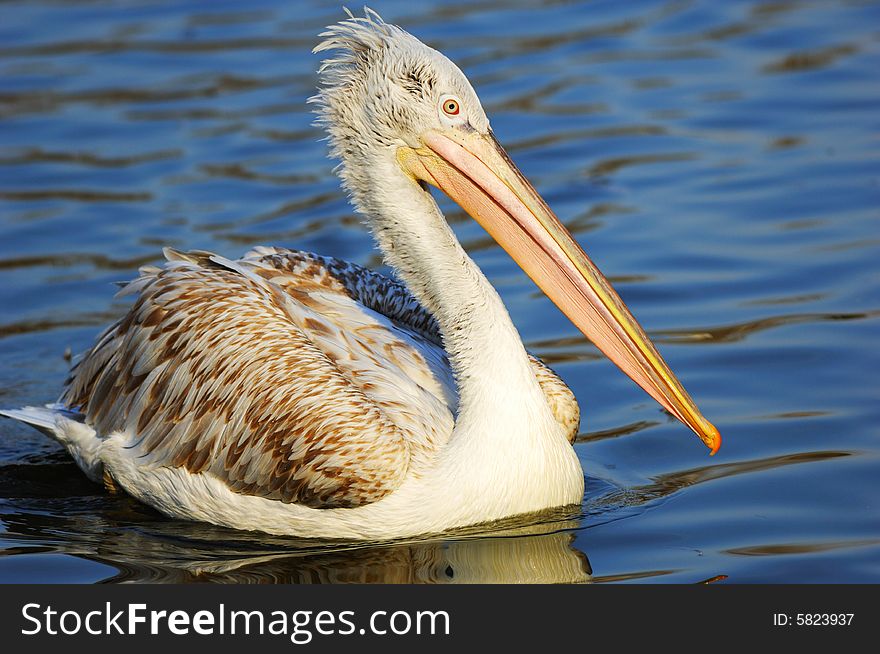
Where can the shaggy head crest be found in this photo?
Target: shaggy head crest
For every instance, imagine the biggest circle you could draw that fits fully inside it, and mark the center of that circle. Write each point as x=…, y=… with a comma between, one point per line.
x=354, y=38
x=380, y=87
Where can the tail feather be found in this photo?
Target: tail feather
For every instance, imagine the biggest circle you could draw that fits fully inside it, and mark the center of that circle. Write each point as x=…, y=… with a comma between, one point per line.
x=68, y=428
x=42, y=418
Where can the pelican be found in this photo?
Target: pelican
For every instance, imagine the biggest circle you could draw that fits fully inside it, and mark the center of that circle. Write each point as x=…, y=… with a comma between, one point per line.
x=298, y=394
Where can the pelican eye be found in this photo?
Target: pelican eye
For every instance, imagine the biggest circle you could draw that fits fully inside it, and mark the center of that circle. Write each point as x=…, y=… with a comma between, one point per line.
x=450, y=107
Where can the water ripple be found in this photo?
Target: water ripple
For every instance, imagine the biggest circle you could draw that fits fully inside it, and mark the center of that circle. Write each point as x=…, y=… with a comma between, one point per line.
x=718, y=160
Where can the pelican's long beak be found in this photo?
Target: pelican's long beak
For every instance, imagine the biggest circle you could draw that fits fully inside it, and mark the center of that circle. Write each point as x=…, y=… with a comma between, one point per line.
x=476, y=172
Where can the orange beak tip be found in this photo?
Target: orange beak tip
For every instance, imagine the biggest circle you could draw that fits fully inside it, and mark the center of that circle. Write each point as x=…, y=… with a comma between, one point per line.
x=713, y=440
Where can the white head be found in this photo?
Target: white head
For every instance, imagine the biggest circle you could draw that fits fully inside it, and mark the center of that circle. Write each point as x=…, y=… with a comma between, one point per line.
x=383, y=90
x=400, y=115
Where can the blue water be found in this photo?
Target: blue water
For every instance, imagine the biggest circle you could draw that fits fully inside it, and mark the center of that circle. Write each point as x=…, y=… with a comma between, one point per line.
x=720, y=161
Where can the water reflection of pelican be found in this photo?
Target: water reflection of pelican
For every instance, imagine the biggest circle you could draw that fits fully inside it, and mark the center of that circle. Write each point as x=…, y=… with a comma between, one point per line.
x=164, y=551
x=535, y=558
x=296, y=394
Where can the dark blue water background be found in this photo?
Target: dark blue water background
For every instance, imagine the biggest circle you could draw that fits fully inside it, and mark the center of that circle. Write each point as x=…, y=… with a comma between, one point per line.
x=719, y=160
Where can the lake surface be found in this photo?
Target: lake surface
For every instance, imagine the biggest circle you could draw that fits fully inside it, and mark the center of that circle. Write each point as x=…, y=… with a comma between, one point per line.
x=720, y=161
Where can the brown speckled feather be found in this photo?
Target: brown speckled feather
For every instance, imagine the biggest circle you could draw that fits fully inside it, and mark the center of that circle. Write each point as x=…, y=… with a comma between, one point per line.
x=392, y=299
x=287, y=375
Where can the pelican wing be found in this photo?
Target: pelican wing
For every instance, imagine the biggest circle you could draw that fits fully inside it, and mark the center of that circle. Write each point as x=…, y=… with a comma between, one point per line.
x=293, y=391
